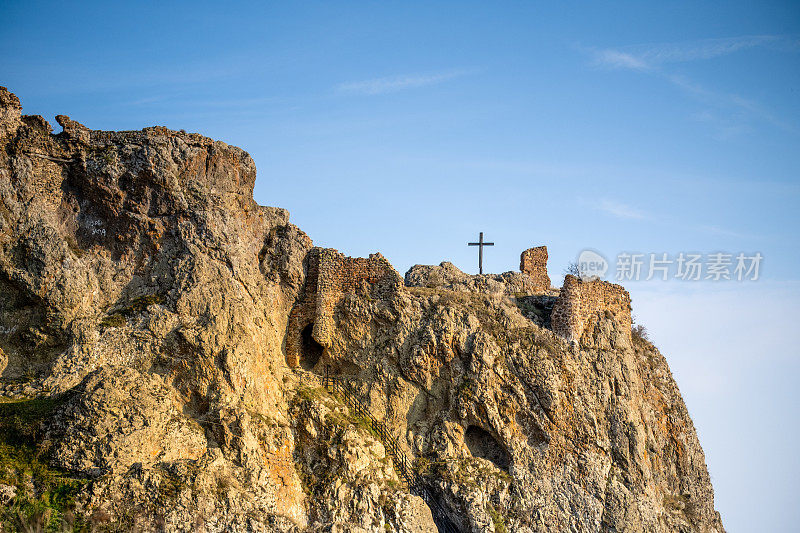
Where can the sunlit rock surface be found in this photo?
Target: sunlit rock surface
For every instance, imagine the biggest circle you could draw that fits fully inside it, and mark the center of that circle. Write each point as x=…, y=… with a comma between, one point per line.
x=146, y=303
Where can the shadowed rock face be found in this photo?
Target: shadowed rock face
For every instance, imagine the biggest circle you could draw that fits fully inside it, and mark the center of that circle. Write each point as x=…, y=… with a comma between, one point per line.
x=150, y=297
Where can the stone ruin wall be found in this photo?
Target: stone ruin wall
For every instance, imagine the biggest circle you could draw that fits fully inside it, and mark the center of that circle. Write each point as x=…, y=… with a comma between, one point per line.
x=330, y=275
x=580, y=303
x=533, y=262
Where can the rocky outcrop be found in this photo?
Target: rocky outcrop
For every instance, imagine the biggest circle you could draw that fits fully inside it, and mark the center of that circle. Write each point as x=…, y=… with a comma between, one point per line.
x=150, y=304
x=10, y=113
x=138, y=273
x=447, y=276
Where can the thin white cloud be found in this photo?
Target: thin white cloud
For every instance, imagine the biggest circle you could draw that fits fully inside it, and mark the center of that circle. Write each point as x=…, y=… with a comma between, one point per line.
x=725, y=127
x=617, y=59
x=620, y=210
x=184, y=98
x=649, y=56
x=651, y=59
x=710, y=48
x=397, y=83
x=725, y=232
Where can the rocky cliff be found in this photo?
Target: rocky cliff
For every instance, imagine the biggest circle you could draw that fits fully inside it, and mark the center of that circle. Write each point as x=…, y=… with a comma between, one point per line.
x=162, y=338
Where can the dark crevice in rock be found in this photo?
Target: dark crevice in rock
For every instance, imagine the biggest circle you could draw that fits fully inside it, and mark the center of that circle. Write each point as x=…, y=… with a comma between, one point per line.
x=482, y=444
x=311, y=350
x=537, y=308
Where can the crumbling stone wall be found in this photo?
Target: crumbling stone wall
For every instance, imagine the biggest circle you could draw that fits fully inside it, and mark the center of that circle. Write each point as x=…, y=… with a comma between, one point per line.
x=331, y=275
x=533, y=262
x=581, y=303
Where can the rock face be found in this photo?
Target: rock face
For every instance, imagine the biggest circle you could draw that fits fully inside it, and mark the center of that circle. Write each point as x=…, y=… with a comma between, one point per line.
x=448, y=276
x=177, y=330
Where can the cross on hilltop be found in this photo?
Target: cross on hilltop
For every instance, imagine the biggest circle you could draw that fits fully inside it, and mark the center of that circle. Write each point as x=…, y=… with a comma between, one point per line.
x=480, y=244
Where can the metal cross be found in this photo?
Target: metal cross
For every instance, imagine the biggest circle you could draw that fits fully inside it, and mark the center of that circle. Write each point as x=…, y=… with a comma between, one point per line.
x=480, y=244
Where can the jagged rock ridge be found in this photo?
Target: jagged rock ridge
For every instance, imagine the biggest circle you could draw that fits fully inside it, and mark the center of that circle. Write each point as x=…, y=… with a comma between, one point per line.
x=172, y=329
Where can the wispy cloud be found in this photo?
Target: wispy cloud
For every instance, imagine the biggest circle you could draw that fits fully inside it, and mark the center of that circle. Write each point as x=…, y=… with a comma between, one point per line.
x=724, y=232
x=726, y=127
x=618, y=59
x=397, y=83
x=624, y=211
x=711, y=48
x=196, y=103
x=620, y=210
x=652, y=58
x=722, y=99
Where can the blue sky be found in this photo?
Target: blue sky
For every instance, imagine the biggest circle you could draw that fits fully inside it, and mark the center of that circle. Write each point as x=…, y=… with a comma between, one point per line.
x=408, y=127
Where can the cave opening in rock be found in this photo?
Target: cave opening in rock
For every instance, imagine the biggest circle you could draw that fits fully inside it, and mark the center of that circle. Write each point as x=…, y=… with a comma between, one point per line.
x=482, y=444
x=311, y=350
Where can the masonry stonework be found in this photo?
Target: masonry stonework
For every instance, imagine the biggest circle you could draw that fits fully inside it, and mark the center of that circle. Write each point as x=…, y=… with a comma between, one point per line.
x=581, y=303
x=533, y=262
x=331, y=275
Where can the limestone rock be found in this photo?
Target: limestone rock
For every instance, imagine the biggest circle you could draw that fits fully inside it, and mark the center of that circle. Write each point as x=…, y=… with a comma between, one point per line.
x=118, y=417
x=448, y=276
x=10, y=113
x=179, y=331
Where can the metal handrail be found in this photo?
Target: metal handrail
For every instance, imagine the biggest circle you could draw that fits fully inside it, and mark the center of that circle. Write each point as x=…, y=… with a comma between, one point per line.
x=401, y=461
